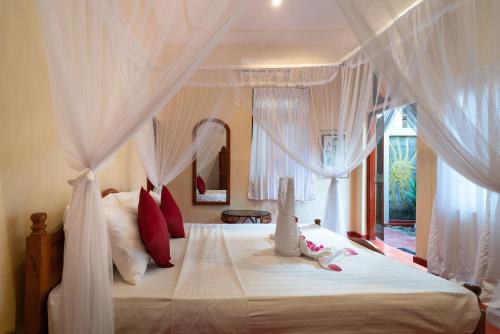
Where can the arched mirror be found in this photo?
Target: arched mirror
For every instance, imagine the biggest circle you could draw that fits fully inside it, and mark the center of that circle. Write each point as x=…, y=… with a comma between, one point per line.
x=212, y=163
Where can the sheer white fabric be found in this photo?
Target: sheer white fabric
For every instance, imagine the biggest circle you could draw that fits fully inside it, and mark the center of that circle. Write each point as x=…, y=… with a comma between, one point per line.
x=169, y=145
x=340, y=130
x=216, y=140
x=112, y=66
x=445, y=56
x=464, y=234
x=272, y=76
x=268, y=162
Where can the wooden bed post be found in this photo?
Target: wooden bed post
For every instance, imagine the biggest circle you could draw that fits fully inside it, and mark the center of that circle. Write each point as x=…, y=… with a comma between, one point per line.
x=44, y=267
x=37, y=287
x=149, y=185
x=43, y=271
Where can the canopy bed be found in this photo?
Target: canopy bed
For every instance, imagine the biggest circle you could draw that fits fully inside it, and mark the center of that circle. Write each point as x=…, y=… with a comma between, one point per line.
x=247, y=287
x=114, y=65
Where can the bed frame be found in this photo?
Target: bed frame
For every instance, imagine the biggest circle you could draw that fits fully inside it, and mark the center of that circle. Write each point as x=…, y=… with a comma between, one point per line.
x=44, y=266
x=43, y=270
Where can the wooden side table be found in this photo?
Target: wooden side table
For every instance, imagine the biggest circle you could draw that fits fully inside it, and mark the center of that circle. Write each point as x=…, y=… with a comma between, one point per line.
x=255, y=216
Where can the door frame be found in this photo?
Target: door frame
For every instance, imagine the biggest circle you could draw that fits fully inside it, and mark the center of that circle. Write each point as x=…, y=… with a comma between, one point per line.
x=371, y=172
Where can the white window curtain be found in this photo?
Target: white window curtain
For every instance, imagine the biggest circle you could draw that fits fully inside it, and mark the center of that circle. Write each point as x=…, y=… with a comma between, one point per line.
x=268, y=162
x=112, y=66
x=340, y=130
x=445, y=56
x=464, y=234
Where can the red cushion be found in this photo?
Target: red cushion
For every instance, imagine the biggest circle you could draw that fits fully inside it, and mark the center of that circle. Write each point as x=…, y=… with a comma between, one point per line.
x=172, y=214
x=153, y=230
x=200, y=184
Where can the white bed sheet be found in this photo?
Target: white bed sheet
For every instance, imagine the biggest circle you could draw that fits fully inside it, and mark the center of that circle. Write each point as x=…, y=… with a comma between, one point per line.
x=143, y=308
x=373, y=293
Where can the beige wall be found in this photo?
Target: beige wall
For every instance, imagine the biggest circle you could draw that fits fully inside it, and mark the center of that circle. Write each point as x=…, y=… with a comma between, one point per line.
x=33, y=172
x=426, y=187
x=358, y=200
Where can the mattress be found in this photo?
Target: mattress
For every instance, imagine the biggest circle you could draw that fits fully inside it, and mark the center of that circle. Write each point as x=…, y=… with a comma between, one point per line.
x=228, y=278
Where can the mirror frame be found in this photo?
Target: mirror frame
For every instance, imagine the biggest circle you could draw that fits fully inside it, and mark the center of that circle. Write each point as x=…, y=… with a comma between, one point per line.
x=228, y=164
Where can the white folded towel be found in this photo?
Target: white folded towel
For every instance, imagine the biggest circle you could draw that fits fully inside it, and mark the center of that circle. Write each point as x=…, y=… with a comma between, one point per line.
x=287, y=233
x=288, y=239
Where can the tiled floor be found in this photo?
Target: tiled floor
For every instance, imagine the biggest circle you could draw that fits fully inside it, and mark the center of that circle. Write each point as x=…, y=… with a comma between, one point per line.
x=399, y=239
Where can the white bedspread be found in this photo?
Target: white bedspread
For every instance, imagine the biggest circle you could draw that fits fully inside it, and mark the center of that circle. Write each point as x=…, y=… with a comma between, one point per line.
x=232, y=272
x=209, y=297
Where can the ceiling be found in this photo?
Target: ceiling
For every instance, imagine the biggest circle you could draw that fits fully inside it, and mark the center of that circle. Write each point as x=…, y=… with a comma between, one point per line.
x=298, y=31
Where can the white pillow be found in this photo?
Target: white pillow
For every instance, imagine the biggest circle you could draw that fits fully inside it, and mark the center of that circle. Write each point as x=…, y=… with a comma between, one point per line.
x=128, y=252
x=129, y=199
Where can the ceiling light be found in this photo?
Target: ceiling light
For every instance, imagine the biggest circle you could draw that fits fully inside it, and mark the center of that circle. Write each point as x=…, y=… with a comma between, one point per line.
x=276, y=3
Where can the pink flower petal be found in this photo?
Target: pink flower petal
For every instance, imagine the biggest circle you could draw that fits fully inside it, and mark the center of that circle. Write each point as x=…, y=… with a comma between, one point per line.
x=351, y=251
x=334, y=267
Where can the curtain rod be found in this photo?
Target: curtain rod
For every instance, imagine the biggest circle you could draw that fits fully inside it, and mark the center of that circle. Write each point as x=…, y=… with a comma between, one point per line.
x=266, y=66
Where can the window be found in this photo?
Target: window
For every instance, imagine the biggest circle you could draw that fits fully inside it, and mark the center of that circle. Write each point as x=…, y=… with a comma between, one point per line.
x=282, y=113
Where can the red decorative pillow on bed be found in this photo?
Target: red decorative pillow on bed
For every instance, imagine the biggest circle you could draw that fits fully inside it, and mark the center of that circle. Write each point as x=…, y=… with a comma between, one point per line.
x=200, y=184
x=153, y=230
x=172, y=214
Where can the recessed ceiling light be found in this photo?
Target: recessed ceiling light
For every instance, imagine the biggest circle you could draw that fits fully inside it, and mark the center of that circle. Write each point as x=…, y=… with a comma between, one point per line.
x=276, y=3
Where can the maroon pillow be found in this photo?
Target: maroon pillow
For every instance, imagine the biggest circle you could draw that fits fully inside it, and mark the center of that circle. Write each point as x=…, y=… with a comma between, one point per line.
x=200, y=184
x=172, y=214
x=153, y=230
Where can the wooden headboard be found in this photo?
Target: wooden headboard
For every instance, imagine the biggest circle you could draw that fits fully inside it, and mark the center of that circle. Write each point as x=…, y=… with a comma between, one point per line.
x=43, y=270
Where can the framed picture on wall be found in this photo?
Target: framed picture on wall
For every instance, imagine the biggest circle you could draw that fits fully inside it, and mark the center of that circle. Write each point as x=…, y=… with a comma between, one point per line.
x=329, y=141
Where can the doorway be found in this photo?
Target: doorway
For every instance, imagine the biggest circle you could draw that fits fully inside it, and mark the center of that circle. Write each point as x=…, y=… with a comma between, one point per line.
x=392, y=183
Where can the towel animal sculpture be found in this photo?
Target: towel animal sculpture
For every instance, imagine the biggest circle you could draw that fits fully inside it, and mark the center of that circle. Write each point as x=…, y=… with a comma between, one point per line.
x=288, y=239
